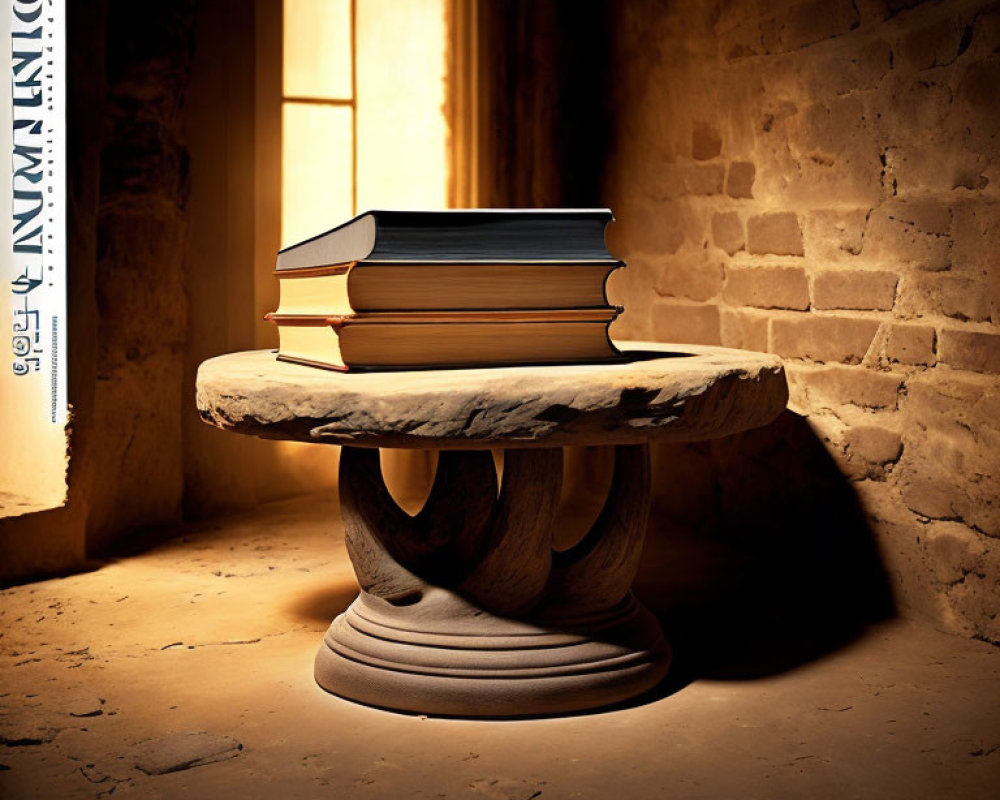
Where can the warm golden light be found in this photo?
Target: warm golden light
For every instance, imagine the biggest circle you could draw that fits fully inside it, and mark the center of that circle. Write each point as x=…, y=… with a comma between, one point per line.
x=317, y=49
x=317, y=172
x=363, y=123
x=363, y=126
x=402, y=131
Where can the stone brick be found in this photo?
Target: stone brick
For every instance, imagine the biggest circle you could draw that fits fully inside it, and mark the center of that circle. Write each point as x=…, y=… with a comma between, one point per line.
x=739, y=181
x=694, y=279
x=660, y=180
x=686, y=323
x=962, y=298
x=911, y=344
x=954, y=296
x=869, y=450
x=978, y=95
x=830, y=74
x=967, y=173
x=833, y=152
x=876, y=445
x=727, y=232
x=913, y=169
x=842, y=339
x=910, y=106
x=915, y=233
x=949, y=469
x=979, y=80
x=930, y=46
x=706, y=142
x=972, y=350
x=854, y=289
x=968, y=401
x=857, y=386
x=953, y=436
x=703, y=179
x=806, y=23
x=789, y=28
x=777, y=234
x=955, y=550
x=972, y=601
x=767, y=287
x=835, y=235
x=976, y=236
x=746, y=330
x=935, y=480
x=647, y=228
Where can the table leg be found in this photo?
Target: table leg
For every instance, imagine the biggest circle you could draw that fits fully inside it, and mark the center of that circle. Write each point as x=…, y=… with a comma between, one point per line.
x=465, y=609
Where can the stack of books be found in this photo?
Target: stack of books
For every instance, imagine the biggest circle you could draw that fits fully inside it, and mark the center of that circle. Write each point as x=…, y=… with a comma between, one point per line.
x=419, y=289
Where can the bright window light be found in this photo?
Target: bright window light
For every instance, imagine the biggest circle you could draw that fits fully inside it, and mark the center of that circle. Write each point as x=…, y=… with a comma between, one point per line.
x=364, y=121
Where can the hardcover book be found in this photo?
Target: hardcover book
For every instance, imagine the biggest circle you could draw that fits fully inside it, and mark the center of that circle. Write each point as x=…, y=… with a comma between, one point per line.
x=482, y=235
x=363, y=286
x=442, y=339
x=420, y=289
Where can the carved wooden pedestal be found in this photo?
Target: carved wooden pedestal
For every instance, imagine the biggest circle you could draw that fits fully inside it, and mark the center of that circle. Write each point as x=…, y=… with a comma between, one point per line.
x=466, y=609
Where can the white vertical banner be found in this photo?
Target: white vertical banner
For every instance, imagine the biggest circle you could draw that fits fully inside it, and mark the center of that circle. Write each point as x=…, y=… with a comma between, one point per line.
x=33, y=387
x=38, y=198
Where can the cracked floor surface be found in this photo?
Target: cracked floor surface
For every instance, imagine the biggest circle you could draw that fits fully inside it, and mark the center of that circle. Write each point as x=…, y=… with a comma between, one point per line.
x=186, y=671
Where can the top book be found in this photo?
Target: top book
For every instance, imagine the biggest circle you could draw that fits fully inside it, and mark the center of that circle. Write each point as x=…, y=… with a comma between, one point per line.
x=461, y=236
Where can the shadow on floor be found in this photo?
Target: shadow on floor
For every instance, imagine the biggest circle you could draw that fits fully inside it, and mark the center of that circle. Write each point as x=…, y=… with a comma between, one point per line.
x=322, y=605
x=759, y=557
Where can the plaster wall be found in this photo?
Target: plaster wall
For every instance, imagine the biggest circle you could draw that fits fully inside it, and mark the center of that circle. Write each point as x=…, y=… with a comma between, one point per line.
x=164, y=233
x=820, y=180
x=232, y=136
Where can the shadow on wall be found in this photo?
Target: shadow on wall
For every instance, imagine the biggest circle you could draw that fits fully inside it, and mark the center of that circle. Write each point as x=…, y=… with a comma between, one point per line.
x=759, y=557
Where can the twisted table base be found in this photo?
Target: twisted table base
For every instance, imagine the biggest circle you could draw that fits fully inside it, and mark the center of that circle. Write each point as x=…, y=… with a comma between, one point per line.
x=466, y=609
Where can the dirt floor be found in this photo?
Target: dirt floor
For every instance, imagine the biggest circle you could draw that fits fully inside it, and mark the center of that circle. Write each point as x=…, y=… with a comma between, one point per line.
x=185, y=671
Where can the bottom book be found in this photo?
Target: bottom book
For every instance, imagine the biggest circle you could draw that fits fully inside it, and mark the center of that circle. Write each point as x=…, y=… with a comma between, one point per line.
x=413, y=340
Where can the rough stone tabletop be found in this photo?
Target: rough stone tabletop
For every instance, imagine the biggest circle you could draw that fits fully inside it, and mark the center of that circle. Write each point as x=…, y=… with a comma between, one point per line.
x=661, y=391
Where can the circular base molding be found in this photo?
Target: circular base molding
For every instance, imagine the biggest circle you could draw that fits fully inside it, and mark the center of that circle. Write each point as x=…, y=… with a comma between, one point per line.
x=435, y=653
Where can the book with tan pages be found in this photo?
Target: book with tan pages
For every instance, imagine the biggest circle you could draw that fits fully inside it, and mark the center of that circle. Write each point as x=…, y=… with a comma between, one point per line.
x=347, y=288
x=446, y=338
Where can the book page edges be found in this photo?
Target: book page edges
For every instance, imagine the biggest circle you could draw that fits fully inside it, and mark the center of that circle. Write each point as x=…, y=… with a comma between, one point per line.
x=555, y=316
x=349, y=242
x=334, y=269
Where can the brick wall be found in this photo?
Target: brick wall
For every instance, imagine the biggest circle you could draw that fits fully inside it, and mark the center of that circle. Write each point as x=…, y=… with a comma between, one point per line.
x=820, y=180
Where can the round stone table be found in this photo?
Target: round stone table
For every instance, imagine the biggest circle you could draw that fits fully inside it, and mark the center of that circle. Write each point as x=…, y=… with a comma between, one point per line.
x=466, y=608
